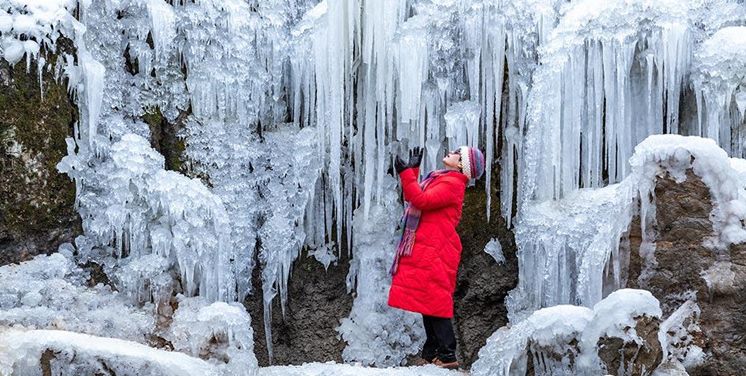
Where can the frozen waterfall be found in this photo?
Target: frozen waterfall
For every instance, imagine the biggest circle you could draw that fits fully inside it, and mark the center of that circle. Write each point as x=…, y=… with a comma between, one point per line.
x=288, y=115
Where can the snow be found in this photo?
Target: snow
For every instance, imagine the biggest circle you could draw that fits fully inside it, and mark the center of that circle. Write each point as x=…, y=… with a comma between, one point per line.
x=220, y=330
x=50, y=292
x=76, y=353
x=615, y=316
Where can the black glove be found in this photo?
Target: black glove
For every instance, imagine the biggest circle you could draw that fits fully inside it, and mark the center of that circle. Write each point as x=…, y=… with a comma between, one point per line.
x=399, y=165
x=415, y=157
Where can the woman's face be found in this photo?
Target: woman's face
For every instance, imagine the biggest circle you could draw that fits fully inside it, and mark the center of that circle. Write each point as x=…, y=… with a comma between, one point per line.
x=453, y=159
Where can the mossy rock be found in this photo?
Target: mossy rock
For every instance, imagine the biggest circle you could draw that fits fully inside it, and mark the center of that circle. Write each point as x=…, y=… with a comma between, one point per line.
x=164, y=138
x=37, y=207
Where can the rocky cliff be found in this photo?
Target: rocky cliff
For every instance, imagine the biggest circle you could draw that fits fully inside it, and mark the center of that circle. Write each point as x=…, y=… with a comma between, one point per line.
x=36, y=114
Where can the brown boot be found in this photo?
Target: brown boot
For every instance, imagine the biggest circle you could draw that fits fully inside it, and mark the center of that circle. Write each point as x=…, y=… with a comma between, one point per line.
x=449, y=365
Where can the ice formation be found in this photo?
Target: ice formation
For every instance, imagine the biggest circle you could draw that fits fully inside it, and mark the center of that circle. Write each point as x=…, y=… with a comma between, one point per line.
x=494, y=249
x=219, y=332
x=505, y=352
x=377, y=334
x=611, y=75
x=721, y=89
x=50, y=292
x=581, y=259
x=147, y=211
x=563, y=339
x=677, y=336
x=556, y=93
x=331, y=369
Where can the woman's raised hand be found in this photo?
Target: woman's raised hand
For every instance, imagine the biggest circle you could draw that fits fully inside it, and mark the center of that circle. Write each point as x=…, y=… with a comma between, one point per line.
x=415, y=159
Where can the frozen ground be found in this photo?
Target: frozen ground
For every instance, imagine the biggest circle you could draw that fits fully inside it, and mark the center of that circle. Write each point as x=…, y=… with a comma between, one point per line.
x=76, y=353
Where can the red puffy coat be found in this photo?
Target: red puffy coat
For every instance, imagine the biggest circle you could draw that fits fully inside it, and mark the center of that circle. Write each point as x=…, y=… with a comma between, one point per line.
x=426, y=279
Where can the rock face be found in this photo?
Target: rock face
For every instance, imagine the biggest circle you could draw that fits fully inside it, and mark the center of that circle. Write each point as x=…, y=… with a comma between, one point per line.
x=36, y=209
x=482, y=284
x=682, y=223
x=317, y=300
x=631, y=358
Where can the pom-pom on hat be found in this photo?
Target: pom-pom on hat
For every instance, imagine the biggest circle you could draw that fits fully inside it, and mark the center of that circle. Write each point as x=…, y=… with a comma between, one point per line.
x=472, y=162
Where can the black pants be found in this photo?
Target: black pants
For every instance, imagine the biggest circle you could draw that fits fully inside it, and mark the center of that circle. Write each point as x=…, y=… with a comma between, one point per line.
x=440, y=342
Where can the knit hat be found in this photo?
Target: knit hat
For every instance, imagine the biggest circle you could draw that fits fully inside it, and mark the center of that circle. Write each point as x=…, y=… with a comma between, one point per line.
x=472, y=162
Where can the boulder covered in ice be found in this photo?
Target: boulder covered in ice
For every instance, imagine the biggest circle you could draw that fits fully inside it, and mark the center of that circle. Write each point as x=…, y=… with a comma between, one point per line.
x=220, y=333
x=579, y=340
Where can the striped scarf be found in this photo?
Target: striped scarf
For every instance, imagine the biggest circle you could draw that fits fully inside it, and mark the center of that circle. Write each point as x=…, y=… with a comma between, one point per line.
x=410, y=221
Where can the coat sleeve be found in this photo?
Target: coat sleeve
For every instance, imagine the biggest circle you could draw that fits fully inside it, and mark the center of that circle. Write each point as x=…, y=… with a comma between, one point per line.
x=439, y=194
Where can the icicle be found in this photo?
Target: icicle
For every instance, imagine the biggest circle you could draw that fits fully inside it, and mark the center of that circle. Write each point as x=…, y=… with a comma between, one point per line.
x=93, y=76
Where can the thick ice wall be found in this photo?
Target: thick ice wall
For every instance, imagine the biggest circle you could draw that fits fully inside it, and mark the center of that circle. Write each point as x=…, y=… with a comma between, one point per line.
x=377, y=334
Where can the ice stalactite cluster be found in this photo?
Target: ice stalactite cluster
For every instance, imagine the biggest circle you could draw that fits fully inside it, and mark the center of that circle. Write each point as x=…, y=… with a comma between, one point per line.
x=377, y=334
x=564, y=339
x=31, y=29
x=720, y=87
x=434, y=79
x=198, y=64
x=611, y=75
x=583, y=258
x=556, y=93
x=132, y=203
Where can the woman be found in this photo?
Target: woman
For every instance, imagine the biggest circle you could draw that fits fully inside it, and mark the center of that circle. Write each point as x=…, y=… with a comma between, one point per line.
x=426, y=261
